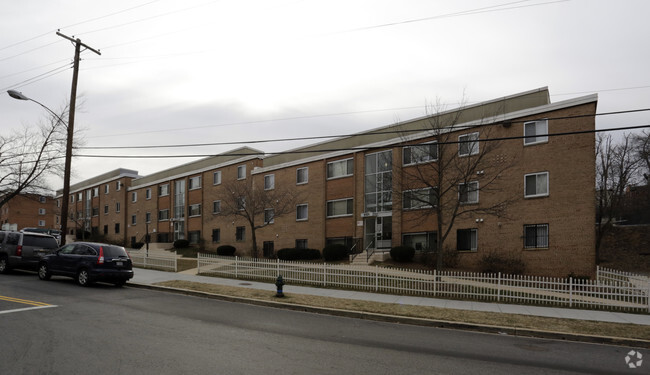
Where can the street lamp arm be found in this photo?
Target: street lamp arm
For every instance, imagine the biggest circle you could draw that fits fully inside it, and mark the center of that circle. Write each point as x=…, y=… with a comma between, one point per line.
x=20, y=96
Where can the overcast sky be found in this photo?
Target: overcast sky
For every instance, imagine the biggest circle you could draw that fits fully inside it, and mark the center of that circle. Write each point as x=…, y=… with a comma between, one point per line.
x=202, y=71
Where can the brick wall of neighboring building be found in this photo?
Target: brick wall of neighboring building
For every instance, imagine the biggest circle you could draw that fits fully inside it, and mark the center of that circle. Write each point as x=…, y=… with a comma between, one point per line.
x=30, y=210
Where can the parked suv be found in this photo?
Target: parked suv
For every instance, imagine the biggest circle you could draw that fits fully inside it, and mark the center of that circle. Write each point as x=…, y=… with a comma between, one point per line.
x=88, y=262
x=24, y=249
x=52, y=232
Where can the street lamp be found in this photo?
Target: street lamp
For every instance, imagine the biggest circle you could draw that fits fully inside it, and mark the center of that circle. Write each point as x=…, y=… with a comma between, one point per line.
x=68, y=158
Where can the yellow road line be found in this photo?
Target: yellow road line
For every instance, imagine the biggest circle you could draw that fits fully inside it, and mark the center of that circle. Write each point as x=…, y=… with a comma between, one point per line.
x=23, y=301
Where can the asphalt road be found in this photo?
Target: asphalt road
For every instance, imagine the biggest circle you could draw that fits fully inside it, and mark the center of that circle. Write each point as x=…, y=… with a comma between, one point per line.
x=57, y=327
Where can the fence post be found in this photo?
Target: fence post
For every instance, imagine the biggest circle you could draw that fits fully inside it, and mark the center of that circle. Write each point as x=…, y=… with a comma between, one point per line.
x=278, y=267
x=648, y=295
x=571, y=291
x=198, y=263
x=324, y=274
x=376, y=278
x=435, y=283
x=175, y=261
x=236, y=267
x=499, y=288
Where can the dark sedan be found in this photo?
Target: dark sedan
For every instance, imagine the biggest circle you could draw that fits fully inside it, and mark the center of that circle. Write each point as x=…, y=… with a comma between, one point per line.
x=88, y=262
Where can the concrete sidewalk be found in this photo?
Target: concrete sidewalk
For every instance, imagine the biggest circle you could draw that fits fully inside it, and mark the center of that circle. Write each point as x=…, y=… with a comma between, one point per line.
x=149, y=277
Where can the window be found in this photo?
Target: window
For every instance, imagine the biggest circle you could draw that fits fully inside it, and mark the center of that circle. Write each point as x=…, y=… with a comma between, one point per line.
x=302, y=175
x=536, y=236
x=194, y=236
x=301, y=212
x=117, y=206
x=41, y=211
x=71, y=198
x=41, y=223
x=269, y=215
x=134, y=196
x=268, y=248
x=340, y=207
x=269, y=182
x=105, y=209
x=95, y=192
x=147, y=217
x=466, y=239
x=241, y=172
x=133, y=219
x=216, y=207
x=105, y=229
x=195, y=210
x=163, y=215
x=468, y=193
x=536, y=185
x=42, y=199
x=420, y=153
x=106, y=188
x=80, y=197
x=195, y=182
x=216, y=178
x=468, y=144
x=118, y=185
x=58, y=203
x=340, y=168
x=147, y=193
x=419, y=198
x=425, y=241
x=95, y=211
x=241, y=203
x=163, y=190
x=378, y=182
x=117, y=228
x=216, y=235
x=535, y=132
x=301, y=244
x=240, y=234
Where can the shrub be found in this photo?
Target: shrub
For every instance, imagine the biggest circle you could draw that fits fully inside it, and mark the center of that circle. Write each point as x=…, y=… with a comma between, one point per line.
x=494, y=263
x=402, y=253
x=226, y=250
x=181, y=244
x=298, y=254
x=335, y=252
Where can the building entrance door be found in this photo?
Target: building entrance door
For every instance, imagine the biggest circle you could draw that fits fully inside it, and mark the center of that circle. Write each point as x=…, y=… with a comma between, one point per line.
x=378, y=232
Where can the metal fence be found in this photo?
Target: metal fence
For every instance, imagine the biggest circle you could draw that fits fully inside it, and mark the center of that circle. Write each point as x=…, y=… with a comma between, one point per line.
x=156, y=261
x=570, y=292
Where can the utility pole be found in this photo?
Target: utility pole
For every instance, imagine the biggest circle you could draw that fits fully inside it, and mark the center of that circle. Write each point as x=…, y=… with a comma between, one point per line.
x=68, y=149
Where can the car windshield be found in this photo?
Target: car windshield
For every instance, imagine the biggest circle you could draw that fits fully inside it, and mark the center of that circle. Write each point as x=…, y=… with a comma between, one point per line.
x=40, y=241
x=114, y=251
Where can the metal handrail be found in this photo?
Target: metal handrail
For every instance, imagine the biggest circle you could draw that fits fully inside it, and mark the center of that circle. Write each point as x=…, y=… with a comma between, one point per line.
x=368, y=253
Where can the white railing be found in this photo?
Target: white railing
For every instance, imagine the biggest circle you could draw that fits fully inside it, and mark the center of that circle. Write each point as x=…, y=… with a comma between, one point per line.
x=609, y=276
x=157, y=261
x=570, y=292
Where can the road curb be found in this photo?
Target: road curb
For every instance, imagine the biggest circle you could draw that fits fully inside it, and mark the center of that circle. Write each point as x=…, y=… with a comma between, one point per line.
x=475, y=327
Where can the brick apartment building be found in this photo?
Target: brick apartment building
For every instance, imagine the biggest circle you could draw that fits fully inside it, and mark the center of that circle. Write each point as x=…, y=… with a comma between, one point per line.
x=530, y=197
x=30, y=211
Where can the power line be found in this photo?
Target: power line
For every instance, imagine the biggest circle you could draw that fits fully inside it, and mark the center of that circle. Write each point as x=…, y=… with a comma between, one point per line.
x=335, y=136
x=39, y=77
x=365, y=148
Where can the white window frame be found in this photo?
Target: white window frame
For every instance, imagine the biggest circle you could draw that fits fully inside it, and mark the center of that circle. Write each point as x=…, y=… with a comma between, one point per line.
x=241, y=229
x=42, y=199
x=147, y=217
x=306, y=214
x=537, y=194
x=241, y=172
x=216, y=178
x=107, y=188
x=335, y=201
x=421, y=156
x=147, y=194
x=163, y=210
x=134, y=196
x=473, y=239
x=41, y=223
x=194, y=207
x=269, y=182
x=268, y=211
x=471, y=142
x=95, y=191
x=417, y=204
x=117, y=207
x=306, y=175
x=160, y=190
x=347, y=172
x=118, y=185
x=194, y=183
x=539, y=127
x=105, y=209
x=134, y=219
x=216, y=207
x=41, y=211
x=470, y=192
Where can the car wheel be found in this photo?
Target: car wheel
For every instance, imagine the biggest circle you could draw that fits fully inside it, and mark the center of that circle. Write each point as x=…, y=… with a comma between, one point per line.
x=4, y=265
x=44, y=272
x=83, y=278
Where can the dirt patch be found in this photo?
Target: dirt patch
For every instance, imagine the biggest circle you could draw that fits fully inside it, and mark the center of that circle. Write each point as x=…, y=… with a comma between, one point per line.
x=573, y=326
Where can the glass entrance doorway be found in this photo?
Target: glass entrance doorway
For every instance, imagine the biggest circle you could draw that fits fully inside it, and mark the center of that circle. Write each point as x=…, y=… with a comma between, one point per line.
x=378, y=232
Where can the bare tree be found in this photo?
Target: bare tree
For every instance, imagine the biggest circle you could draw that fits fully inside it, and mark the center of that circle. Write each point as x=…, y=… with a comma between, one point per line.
x=641, y=144
x=616, y=168
x=443, y=176
x=258, y=206
x=29, y=156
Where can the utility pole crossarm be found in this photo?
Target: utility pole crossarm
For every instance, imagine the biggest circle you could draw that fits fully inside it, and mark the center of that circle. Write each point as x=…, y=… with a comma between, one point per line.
x=79, y=42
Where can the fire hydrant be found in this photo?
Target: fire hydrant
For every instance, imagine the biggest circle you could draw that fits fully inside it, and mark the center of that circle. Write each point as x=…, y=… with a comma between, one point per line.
x=279, y=283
